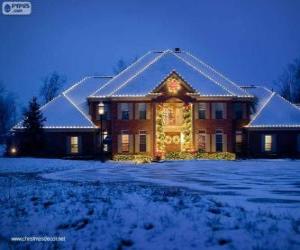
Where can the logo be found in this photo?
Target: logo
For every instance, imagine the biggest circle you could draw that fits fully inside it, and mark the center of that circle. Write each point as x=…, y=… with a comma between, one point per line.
x=16, y=8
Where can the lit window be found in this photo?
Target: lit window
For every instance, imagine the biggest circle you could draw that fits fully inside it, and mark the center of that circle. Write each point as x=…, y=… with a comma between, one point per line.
x=202, y=110
x=219, y=141
x=74, y=145
x=143, y=141
x=238, y=141
x=238, y=111
x=142, y=111
x=219, y=110
x=268, y=143
x=125, y=111
x=125, y=142
x=201, y=141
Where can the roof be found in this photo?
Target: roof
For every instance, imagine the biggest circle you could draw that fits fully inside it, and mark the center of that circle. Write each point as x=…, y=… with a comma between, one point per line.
x=273, y=111
x=143, y=76
x=70, y=109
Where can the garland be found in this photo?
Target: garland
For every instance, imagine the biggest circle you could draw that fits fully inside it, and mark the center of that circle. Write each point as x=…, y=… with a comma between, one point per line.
x=160, y=134
x=187, y=128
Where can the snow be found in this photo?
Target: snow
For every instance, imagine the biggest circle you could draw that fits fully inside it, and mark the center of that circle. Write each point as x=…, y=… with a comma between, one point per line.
x=277, y=111
x=61, y=112
x=79, y=92
x=251, y=204
x=143, y=76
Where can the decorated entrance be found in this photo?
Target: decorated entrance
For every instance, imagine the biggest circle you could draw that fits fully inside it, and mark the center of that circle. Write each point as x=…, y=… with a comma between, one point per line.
x=173, y=126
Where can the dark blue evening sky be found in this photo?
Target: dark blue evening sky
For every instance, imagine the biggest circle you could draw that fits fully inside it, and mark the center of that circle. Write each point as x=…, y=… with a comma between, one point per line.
x=248, y=41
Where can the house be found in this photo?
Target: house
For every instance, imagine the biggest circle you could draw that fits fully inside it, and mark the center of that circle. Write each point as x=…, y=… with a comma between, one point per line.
x=168, y=101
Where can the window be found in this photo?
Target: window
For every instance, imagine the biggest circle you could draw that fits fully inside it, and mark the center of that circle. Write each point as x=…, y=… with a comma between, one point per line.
x=143, y=141
x=142, y=111
x=219, y=110
x=74, y=149
x=124, y=111
x=219, y=140
x=106, y=113
x=238, y=141
x=268, y=143
x=201, y=141
x=238, y=111
x=202, y=110
x=125, y=141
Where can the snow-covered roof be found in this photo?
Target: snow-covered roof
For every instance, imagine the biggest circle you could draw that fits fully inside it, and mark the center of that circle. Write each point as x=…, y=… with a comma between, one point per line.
x=143, y=76
x=273, y=111
x=70, y=109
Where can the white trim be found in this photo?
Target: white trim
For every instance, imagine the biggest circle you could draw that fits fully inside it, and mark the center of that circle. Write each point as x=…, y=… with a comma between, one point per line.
x=129, y=67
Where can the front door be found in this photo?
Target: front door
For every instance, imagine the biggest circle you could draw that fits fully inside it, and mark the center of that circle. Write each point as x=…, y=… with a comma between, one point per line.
x=172, y=142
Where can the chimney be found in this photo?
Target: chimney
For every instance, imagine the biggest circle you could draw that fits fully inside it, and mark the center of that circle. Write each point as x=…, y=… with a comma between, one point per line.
x=177, y=50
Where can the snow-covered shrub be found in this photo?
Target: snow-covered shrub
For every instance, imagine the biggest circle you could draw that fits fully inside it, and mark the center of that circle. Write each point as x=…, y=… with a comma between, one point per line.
x=179, y=156
x=216, y=156
x=138, y=158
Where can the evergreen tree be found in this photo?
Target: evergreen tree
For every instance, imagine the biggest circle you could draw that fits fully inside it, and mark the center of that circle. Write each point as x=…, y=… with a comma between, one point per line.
x=33, y=128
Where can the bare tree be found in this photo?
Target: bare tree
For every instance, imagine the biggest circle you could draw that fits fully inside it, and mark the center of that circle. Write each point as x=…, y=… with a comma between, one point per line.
x=289, y=82
x=52, y=85
x=8, y=110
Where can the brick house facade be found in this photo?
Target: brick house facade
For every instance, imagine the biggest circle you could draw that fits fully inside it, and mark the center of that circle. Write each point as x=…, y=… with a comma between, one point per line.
x=166, y=102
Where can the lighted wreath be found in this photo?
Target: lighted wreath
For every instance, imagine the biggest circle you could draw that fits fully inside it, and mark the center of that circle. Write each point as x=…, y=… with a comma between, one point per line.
x=176, y=139
x=168, y=139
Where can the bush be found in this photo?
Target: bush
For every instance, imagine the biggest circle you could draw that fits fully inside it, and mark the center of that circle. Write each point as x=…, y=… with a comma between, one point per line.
x=140, y=158
x=216, y=156
x=179, y=156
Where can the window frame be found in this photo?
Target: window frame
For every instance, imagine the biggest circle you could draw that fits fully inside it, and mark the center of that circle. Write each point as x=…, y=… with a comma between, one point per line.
x=74, y=145
x=202, y=133
x=268, y=146
x=238, y=144
x=124, y=134
x=144, y=112
x=219, y=110
x=124, y=111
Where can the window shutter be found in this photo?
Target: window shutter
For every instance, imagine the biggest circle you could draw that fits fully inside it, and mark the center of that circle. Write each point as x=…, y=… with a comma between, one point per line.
x=196, y=141
x=274, y=143
x=196, y=112
x=119, y=144
x=244, y=110
x=207, y=143
x=148, y=143
x=213, y=107
x=130, y=143
x=130, y=106
x=137, y=143
x=148, y=111
x=68, y=144
x=224, y=110
x=207, y=112
x=119, y=111
x=213, y=141
x=136, y=111
x=224, y=143
x=262, y=143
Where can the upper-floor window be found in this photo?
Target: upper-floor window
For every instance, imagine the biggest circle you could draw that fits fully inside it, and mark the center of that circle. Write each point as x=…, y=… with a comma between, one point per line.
x=238, y=111
x=219, y=140
x=219, y=110
x=124, y=111
x=202, y=110
x=143, y=141
x=142, y=111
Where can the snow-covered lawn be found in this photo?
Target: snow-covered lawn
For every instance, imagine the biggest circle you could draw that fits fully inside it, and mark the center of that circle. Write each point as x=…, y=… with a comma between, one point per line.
x=252, y=204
